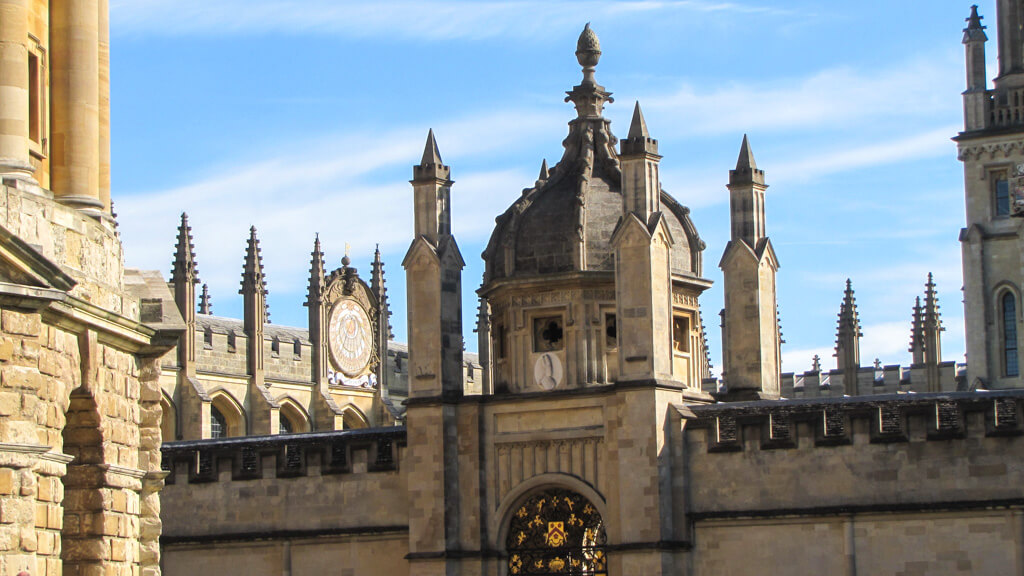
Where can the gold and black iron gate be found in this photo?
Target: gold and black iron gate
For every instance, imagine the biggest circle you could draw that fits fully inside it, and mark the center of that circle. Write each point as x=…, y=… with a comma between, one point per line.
x=556, y=533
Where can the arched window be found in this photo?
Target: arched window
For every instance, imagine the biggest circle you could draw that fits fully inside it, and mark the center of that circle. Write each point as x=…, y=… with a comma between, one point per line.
x=168, y=421
x=556, y=532
x=291, y=418
x=1011, y=365
x=218, y=423
x=226, y=417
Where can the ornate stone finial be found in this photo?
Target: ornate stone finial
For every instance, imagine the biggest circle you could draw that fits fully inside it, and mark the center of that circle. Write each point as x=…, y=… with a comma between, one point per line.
x=317, y=275
x=588, y=54
x=345, y=260
x=816, y=363
x=205, y=305
x=588, y=48
x=974, y=30
x=184, y=268
x=878, y=364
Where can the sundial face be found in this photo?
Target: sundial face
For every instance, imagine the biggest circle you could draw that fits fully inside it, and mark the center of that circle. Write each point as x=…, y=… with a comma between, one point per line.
x=349, y=337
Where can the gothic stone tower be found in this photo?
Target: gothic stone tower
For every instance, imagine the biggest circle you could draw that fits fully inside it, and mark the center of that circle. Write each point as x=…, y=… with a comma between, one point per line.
x=750, y=339
x=991, y=147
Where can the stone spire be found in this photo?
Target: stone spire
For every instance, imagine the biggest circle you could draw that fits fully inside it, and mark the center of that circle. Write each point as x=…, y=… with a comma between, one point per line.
x=205, y=305
x=317, y=275
x=932, y=323
x=379, y=288
x=640, y=162
x=254, y=296
x=975, y=97
x=317, y=315
x=378, y=285
x=746, y=194
x=184, y=268
x=184, y=277
x=848, y=338
x=265, y=412
x=431, y=185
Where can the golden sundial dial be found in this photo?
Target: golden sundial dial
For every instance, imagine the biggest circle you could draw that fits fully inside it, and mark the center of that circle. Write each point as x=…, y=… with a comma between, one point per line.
x=350, y=338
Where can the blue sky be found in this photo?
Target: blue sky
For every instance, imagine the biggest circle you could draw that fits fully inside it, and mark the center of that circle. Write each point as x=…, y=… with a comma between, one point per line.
x=304, y=117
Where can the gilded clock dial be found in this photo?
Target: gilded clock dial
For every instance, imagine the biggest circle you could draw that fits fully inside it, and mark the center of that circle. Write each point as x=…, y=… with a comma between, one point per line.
x=350, y=337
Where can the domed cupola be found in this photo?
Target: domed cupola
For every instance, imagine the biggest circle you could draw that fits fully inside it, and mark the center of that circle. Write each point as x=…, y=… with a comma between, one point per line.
x=564, y=223
x=593, y=274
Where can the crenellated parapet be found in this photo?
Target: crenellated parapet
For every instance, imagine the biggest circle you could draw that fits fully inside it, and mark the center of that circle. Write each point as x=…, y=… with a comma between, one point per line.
x=283, y=456
x=867, y=420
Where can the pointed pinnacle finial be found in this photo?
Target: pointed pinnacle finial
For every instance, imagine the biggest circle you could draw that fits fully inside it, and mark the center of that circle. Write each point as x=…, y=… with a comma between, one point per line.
x=638, y=127
x=746, y=158
x=974, y=20
x=205, y=306
x=544, y=172
x=183, y=268
x=431, y=154
x=974, y=32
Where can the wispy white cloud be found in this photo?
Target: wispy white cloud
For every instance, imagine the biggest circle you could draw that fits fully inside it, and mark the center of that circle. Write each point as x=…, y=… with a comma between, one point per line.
x=430, y=19
x=836, y=97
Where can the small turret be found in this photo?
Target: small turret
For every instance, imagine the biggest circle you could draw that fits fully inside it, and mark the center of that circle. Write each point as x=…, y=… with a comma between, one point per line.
x=917, y=334
x=431, y=188
x=639, y=159
x=746, y=195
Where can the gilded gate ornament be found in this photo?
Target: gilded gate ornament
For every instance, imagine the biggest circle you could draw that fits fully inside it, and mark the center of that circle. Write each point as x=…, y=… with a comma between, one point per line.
x=556, y=532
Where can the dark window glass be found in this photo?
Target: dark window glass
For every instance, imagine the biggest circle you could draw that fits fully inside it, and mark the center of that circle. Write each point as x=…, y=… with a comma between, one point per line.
x=285, y=425
x=1010, y=335
x=1002, y=198
x=218, y=423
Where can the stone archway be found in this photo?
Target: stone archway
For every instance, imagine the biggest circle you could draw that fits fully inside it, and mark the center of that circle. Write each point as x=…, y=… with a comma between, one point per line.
x=556, y=532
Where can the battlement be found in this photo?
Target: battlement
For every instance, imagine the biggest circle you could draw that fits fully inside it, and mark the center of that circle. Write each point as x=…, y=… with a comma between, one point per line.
x=866, y=419
x=283, y=455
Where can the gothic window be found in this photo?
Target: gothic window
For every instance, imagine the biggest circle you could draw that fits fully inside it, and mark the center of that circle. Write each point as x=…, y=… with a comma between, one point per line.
x=681, y=334
x=218, y=423
x=547, y=334
x=1002, y=197
x=284, y=424
x=1011, y=364
x=556, y=532
x=611, y=332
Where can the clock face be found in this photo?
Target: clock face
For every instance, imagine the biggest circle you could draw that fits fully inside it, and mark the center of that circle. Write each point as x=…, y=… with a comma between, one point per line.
x=350, y=337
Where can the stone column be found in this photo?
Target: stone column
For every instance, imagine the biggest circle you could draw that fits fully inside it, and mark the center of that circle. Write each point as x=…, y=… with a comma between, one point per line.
x=14, y=158
x=149, y=462
x=104, y=104
x=75, y=95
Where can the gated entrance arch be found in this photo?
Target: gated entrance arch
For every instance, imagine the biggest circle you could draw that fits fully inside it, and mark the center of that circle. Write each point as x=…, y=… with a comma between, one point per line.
x=556, y=532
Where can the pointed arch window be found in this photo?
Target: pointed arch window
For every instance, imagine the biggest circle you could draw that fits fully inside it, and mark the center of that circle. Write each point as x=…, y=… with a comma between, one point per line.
x=1011, y=364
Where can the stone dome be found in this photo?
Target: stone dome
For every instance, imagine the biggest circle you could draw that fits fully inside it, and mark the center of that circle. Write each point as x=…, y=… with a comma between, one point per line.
x=564, y=223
